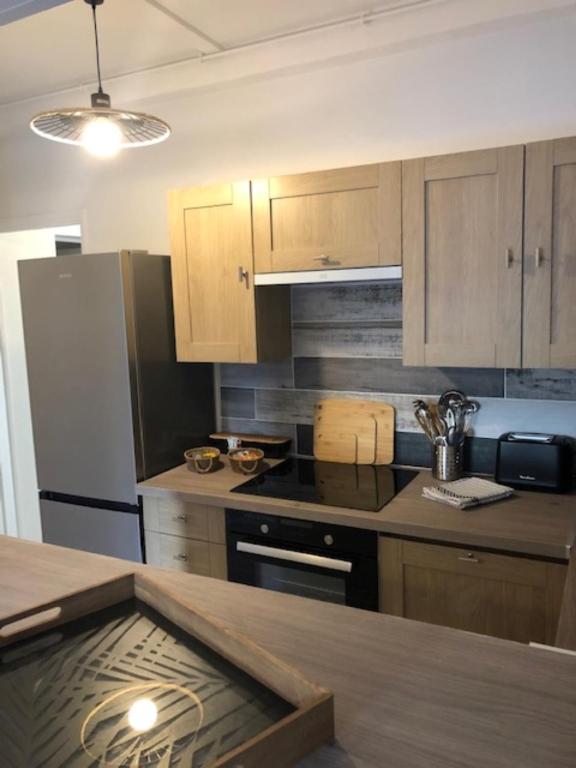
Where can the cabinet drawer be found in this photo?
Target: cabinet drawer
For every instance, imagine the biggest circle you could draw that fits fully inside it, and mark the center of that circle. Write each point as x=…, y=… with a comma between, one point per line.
x=180, y=518
x=177, y=553
x=476, y=563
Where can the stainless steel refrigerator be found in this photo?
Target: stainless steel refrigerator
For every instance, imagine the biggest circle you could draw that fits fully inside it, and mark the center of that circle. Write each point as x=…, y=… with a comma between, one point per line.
x=110, y=404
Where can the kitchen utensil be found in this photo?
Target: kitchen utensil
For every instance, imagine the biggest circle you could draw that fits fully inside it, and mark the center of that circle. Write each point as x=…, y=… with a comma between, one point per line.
x=445, y=424
x=438, y=421
x=354, y=432
x=203, y=460
x=451, y=396
x=248, y=461
x=425, y=418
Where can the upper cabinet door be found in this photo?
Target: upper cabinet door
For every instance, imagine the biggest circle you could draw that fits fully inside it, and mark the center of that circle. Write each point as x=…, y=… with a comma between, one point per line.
x=212, y=276
x=462, y=259
x=348, y=217
x=550, y=255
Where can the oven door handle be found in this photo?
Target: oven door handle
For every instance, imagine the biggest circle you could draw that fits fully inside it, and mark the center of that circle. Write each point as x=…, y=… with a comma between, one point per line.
x=276, y=553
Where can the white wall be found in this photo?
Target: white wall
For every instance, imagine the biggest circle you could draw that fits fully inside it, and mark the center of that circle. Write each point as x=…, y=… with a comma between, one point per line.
x=482, y=87
x=20, y=513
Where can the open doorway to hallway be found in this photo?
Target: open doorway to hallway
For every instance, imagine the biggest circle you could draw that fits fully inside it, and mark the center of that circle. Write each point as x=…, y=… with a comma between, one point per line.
x=19, y=506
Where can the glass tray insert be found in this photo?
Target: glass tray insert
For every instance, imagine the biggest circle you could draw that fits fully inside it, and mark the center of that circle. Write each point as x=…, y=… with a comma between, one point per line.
x=125, y=687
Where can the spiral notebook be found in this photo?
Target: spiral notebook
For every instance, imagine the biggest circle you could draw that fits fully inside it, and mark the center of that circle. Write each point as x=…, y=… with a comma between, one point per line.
x=468, y=492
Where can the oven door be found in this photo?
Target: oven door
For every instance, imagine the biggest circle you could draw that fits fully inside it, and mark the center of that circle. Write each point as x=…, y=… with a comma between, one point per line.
x=303, y=571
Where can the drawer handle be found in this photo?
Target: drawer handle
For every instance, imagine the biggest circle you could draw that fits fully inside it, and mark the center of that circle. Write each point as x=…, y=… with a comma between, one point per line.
x=181, y=557
x=180, y=517
x=509, y=258
x=469, y=558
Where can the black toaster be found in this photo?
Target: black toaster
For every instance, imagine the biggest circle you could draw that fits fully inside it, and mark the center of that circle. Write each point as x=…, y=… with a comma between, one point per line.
x=534, y=461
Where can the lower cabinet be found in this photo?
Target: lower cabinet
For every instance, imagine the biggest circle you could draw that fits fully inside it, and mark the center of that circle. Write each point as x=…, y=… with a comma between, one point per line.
x=506, y=596
x=184, y=536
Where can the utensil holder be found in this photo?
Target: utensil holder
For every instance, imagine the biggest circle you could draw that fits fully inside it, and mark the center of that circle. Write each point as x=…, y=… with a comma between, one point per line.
x=448, y=462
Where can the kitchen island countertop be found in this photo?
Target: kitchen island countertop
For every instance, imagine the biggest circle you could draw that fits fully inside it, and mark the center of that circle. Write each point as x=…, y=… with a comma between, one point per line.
x=530, y=523
x=407, y=695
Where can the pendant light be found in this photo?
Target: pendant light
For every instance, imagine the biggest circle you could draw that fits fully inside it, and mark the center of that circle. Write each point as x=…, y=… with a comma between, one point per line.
x=101, y=130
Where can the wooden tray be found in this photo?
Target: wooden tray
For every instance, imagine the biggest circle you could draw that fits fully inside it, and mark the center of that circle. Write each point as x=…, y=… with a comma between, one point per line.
x=125, y=674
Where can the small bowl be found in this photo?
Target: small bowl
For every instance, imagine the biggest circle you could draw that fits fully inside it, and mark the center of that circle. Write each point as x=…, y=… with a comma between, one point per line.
x=248, y=461
x=203, y=460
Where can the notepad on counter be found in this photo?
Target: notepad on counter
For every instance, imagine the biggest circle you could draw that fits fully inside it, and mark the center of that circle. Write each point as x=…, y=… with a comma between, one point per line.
x=468, y=492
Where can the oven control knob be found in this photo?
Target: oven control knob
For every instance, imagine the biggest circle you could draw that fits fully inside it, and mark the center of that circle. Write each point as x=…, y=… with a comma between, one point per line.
x=328, y=540
x=264, y=528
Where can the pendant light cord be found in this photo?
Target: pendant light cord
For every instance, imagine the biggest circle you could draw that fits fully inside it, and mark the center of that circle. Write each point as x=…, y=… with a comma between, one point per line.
x=97, y=48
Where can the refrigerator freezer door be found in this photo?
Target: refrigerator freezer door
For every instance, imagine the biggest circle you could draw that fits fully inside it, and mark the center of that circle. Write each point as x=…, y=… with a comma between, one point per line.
x=78, y=372
x=91, y=529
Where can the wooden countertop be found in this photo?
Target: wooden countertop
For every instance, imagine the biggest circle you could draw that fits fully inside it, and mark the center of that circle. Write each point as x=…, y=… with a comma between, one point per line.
x=531, y=523
x=408, y=695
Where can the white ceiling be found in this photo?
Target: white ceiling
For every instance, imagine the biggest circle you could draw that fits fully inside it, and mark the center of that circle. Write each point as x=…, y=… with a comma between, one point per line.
x=53, y=50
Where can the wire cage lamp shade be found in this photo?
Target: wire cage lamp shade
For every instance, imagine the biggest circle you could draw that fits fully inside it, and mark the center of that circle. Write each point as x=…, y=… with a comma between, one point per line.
x=69, y=126
x=99, y=128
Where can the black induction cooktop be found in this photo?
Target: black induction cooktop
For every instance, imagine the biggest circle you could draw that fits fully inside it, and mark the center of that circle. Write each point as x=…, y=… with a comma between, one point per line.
x=321, y=482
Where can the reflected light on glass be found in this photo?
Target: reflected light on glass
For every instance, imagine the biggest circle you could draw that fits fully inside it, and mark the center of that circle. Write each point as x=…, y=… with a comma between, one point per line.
x=142, y=715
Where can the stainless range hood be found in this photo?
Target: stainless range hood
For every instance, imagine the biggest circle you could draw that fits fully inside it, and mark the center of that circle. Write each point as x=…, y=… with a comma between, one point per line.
x=360, y=274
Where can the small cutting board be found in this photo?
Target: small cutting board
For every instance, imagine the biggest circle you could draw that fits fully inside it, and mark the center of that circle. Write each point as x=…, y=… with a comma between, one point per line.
x=354, y=432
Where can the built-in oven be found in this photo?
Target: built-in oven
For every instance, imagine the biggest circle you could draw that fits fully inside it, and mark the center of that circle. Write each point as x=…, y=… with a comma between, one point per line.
x=333, y=563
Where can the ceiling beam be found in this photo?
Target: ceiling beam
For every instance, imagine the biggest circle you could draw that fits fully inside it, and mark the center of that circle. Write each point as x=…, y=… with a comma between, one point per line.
x=205, y=43
x=13, y=10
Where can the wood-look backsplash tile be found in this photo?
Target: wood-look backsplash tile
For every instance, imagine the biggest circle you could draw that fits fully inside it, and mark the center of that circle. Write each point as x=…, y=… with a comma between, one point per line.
x=255, y=427
x=237, y=402
x=347, y=342
x=278, y=374
x=541, y=384
x=362, y=374
x=296, y=406
x=354, y=340
x=347, y=302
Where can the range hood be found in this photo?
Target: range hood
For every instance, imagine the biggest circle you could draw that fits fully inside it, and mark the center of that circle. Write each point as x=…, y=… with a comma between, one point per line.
x=359, y=274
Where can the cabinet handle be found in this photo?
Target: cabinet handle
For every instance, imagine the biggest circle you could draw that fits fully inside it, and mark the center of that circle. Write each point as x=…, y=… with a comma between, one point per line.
x=323, y=259
x=538, y=257
x=181, y=557
x=469, y=558
x=244, y=276
x=509, y=258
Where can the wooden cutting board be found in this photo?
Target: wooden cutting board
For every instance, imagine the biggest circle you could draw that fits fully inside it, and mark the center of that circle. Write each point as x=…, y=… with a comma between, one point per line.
x=354, y=432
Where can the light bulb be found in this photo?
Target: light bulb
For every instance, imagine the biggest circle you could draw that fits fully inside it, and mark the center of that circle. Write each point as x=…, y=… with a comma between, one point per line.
x=102, y=137
x=142, y=715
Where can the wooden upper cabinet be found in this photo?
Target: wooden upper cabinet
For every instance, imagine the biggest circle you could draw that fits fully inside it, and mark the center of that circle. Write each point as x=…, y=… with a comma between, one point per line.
x=219, y=316
x=550, y=255
x=343, y=218
x=462, y=259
